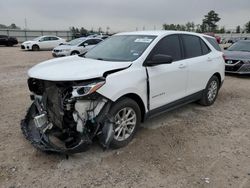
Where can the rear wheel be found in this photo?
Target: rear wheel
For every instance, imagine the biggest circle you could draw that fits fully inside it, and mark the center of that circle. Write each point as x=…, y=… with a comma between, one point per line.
x=127, y=116
x=35, y=48
x=210, y=93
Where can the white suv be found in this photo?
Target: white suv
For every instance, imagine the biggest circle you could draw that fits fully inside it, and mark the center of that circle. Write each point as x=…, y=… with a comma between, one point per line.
x=107, y=92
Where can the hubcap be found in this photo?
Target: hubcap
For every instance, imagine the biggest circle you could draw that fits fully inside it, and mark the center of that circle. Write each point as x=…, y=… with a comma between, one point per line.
x=125, y=121
x=212, y=91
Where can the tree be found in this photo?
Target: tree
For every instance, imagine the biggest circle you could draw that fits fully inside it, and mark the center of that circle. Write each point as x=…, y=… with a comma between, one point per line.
x=190, y=26
x=83, y=32
x=222, y=30
x=238, y=29
x=209, y=22
x=13, y=26
x=247, y=27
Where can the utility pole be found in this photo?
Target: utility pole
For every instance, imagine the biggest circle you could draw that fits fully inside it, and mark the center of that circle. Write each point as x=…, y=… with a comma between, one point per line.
x=25, y=24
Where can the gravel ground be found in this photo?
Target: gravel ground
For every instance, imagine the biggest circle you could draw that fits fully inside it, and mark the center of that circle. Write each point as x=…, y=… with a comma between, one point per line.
x=193, y=146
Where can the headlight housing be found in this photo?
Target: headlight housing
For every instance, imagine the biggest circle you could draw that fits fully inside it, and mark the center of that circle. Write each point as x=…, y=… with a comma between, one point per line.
x=80, y=91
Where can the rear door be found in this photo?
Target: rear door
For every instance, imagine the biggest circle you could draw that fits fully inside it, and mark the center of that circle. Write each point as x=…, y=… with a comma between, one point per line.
x=167, y=82
x=54, y=42
x=199, y=61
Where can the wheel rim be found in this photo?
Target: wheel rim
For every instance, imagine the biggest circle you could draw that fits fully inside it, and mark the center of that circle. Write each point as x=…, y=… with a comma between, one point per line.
x=125, y=122
x=212, y=91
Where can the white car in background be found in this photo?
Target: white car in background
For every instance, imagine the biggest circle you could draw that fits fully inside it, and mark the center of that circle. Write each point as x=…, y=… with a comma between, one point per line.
x=42, y=43
x=75, y=47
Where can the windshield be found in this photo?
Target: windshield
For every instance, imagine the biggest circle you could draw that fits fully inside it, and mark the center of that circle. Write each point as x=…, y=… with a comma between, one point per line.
x=240, y=46
x=121, y=48
x=75, y=41
x=37, y=38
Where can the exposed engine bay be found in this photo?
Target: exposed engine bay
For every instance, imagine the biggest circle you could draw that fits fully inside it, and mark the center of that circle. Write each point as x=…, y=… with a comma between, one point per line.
x=66, y=116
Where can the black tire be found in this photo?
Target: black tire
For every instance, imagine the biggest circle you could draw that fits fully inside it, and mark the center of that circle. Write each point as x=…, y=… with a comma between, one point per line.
x=125, y=103
x=208, y=97
x=35, y=48
x=75, y=53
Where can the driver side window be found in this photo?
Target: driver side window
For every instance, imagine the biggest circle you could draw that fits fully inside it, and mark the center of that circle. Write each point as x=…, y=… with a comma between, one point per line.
x=44, y=39
x=169, y=45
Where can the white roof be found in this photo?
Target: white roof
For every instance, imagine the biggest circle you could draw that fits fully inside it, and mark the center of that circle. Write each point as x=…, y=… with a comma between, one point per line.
x=160, y=33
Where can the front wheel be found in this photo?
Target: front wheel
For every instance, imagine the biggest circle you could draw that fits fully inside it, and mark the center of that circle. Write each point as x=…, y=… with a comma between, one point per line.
x=75, y=53
x=211, y=91
x=35, y=48
x=127, y=116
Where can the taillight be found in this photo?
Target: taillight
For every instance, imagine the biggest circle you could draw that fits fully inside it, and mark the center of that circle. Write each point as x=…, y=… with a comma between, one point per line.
x=224, y=57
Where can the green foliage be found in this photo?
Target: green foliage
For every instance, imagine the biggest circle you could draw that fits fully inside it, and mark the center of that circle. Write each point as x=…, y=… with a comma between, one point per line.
x=209, y=22
x=247, y=27
x=11, y=26
x=238, y=29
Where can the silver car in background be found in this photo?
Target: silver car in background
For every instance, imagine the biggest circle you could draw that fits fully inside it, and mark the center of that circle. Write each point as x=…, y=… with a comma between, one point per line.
x=75, y=47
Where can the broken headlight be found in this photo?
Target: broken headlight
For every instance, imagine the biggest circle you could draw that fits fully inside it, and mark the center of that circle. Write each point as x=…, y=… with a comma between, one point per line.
x=80, y=91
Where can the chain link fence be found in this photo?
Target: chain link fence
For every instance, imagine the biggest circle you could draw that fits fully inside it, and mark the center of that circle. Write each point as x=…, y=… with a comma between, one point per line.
x=24, y=35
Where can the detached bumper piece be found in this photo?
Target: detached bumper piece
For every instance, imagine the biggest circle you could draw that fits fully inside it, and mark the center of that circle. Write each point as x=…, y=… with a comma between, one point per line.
x=35, y=130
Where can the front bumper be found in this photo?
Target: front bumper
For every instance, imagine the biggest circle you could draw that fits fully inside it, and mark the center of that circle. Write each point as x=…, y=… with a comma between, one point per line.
x=41, y=140
x=60, y=54
x=26, y=47
x=237, y=67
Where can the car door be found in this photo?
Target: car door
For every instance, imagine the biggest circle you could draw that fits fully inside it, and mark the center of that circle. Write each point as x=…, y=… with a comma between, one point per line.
x=167, y=82
x=44, y=43
x=197, y=55
x=91, y=43
x=54, y=42
x=3, y=39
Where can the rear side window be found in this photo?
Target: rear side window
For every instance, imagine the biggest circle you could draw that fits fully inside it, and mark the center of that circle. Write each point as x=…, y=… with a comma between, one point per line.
x=192, y=46
x=204, y=47
x=54, y=38
x=170, y=45
x=214, y=43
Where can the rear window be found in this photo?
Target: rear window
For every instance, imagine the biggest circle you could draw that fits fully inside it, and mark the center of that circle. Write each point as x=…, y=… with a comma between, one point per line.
x=214, y=43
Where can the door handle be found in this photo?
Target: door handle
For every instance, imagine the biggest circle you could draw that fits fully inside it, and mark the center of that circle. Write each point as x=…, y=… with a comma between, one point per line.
x=209, y=59
x=181, y=66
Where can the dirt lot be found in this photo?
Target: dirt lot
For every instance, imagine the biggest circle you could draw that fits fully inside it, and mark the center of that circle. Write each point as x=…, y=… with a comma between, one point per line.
x=193, y=146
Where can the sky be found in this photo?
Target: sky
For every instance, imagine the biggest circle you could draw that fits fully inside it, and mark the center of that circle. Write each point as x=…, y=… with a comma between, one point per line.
x=119, y=15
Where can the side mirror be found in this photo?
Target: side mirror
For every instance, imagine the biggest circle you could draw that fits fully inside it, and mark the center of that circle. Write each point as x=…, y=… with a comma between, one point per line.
x=85, y=44
x=159, y=59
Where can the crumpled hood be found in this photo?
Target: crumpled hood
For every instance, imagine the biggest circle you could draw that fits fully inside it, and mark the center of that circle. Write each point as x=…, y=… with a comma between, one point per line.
x=73, y=68
x=237, y=55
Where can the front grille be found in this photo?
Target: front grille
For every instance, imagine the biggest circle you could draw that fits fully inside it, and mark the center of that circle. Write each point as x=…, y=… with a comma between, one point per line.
x=245, y=68
x=233, y=67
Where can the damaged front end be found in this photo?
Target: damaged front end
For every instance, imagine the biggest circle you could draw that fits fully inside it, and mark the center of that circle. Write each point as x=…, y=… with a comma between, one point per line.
x=66, y=116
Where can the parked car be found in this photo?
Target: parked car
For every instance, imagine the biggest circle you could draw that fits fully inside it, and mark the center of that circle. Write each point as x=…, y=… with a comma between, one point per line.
x=76, y=46
x=107, y=92
x=8, y=41
x=42, y=43
x=237, y=57
x=218, y=38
